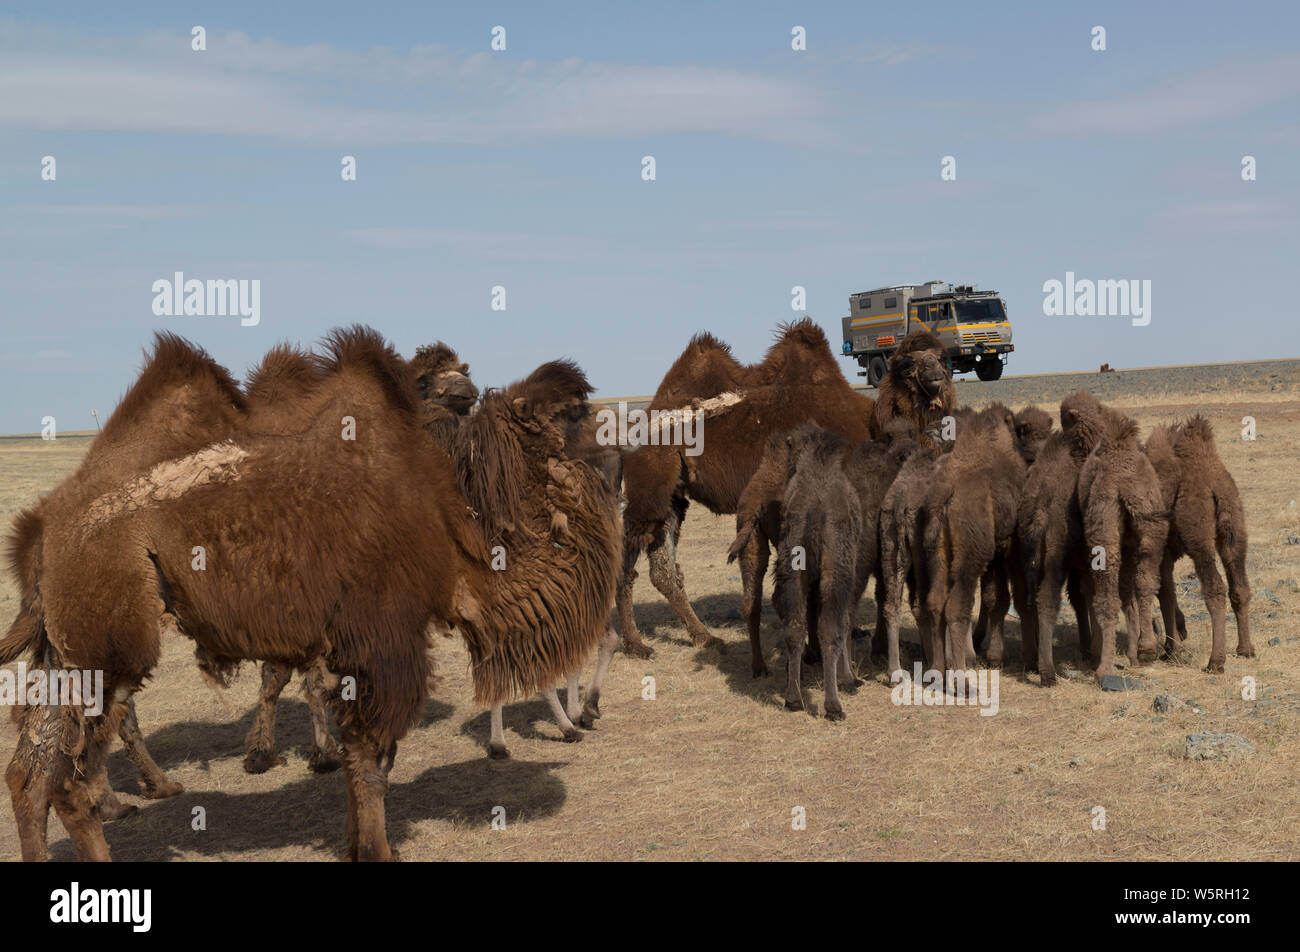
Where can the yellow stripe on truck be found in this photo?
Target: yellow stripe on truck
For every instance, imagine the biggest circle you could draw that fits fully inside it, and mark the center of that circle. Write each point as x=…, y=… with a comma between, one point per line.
x=875, y=320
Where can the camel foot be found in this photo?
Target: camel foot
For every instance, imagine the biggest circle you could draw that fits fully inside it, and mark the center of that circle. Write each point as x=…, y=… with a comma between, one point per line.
x=794, y=705
x=168, y=788
x=1245, y=651
x=638, y=649
x=260, y=761
x=834, y=714
x=572, y=735
x=1214, y=667
x=324, y=761
x=498, y=751
x=760, y=670
x=116, y=811
x=588, y=721
x=1047, y=680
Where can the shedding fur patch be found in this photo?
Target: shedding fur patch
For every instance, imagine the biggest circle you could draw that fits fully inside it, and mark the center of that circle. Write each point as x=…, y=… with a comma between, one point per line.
x=218, y=463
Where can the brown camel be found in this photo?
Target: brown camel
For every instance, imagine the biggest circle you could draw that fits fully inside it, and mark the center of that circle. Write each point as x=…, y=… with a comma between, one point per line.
x=816, y=562
x=965, y=530
x=798, y=380
x=1125, y=529
x=295, y=576
x=917, y=387
x=446, y=397
x=871, y=467
x=1206, y=518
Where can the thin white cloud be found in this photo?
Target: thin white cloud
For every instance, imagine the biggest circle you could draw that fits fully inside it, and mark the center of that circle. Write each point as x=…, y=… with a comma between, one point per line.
x=1226, y=92
x=245, y=87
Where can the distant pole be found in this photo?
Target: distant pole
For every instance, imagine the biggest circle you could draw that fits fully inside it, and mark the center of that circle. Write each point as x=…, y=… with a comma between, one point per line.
x=95, y=414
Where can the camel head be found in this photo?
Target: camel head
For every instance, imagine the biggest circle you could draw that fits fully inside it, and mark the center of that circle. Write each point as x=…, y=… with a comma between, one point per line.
x=1033, y=427
x=918, y=363
x=443, y=378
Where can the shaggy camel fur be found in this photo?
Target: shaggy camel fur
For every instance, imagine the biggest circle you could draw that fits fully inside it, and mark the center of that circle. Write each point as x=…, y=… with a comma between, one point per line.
x=917, y=387
x=1206, y=518
x=1125, y=529
x=446, y=396
x=1049, y=553
x=798, y=380
x=1032, y=428
x=965, y=529
x=816, y=562
x=291, y=580
x=871, y=467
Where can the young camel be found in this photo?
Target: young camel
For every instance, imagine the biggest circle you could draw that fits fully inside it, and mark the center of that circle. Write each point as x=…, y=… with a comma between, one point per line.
x=816, y=562
x=291, y=580
x=1125, y=529
x=1206, y=519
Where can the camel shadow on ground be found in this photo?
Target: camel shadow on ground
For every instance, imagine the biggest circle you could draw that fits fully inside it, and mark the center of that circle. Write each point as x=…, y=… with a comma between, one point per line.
x=202, y=742
x=310, y=811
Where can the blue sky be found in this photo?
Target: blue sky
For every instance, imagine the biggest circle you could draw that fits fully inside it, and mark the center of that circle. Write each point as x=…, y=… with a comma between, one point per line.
x=522, y=168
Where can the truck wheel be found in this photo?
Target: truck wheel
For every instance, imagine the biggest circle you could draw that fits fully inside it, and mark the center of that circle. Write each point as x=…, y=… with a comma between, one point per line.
x=876, y=370
x=989, y=370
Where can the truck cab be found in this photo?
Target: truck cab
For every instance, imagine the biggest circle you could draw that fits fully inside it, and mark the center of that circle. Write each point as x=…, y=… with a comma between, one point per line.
x=972, y=326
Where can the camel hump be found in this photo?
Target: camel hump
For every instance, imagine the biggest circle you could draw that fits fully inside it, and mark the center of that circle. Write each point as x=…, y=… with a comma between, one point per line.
x=704, y=342
x=805, y=332
x=364, y=350
x=1194, y=435
x=173, y=363
x=286, y=372
x=554, y=382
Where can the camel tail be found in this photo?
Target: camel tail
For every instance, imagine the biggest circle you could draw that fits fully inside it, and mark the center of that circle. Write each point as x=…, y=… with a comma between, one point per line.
x=743, y=536
x=23, y=550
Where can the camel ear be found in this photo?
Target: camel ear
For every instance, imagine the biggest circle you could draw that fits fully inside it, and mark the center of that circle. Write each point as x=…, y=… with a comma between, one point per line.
x=903, y=364
x=523, y=407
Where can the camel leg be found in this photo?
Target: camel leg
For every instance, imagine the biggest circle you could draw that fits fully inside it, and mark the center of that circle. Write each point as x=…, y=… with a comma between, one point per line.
x=753, y=566
x=73, y=793
x=325, y=753
x=1169, y=607
x=1079, y=602
x=1105, y=610
x=572, y=702
x=571, y=734
x=366, y=765
x=794, y=629
x=1234, y=563
x=632, y=643
x=604, y=655
x=1129, y=601
x=831, y=662
x=106, y=800
x=30, y=778
x=1215, y=592
x=893, y=610
x=260, y=742
x=667, y=577
x=1048, y=606
x=497, y=745
x=154, y=784
x=1000, y=601
x=980, y=634
x=848, y=680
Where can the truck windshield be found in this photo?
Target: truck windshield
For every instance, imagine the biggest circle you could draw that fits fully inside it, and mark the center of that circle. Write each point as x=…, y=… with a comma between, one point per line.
x=980, y=312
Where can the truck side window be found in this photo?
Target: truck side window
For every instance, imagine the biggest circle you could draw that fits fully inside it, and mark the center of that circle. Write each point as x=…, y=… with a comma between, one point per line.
x=891, y=302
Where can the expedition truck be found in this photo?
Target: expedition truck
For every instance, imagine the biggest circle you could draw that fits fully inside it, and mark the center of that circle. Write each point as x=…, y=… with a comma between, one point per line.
x=972, y=326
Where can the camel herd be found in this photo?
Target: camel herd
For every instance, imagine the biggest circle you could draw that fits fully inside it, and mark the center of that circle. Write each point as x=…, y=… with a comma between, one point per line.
x=343, y=504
